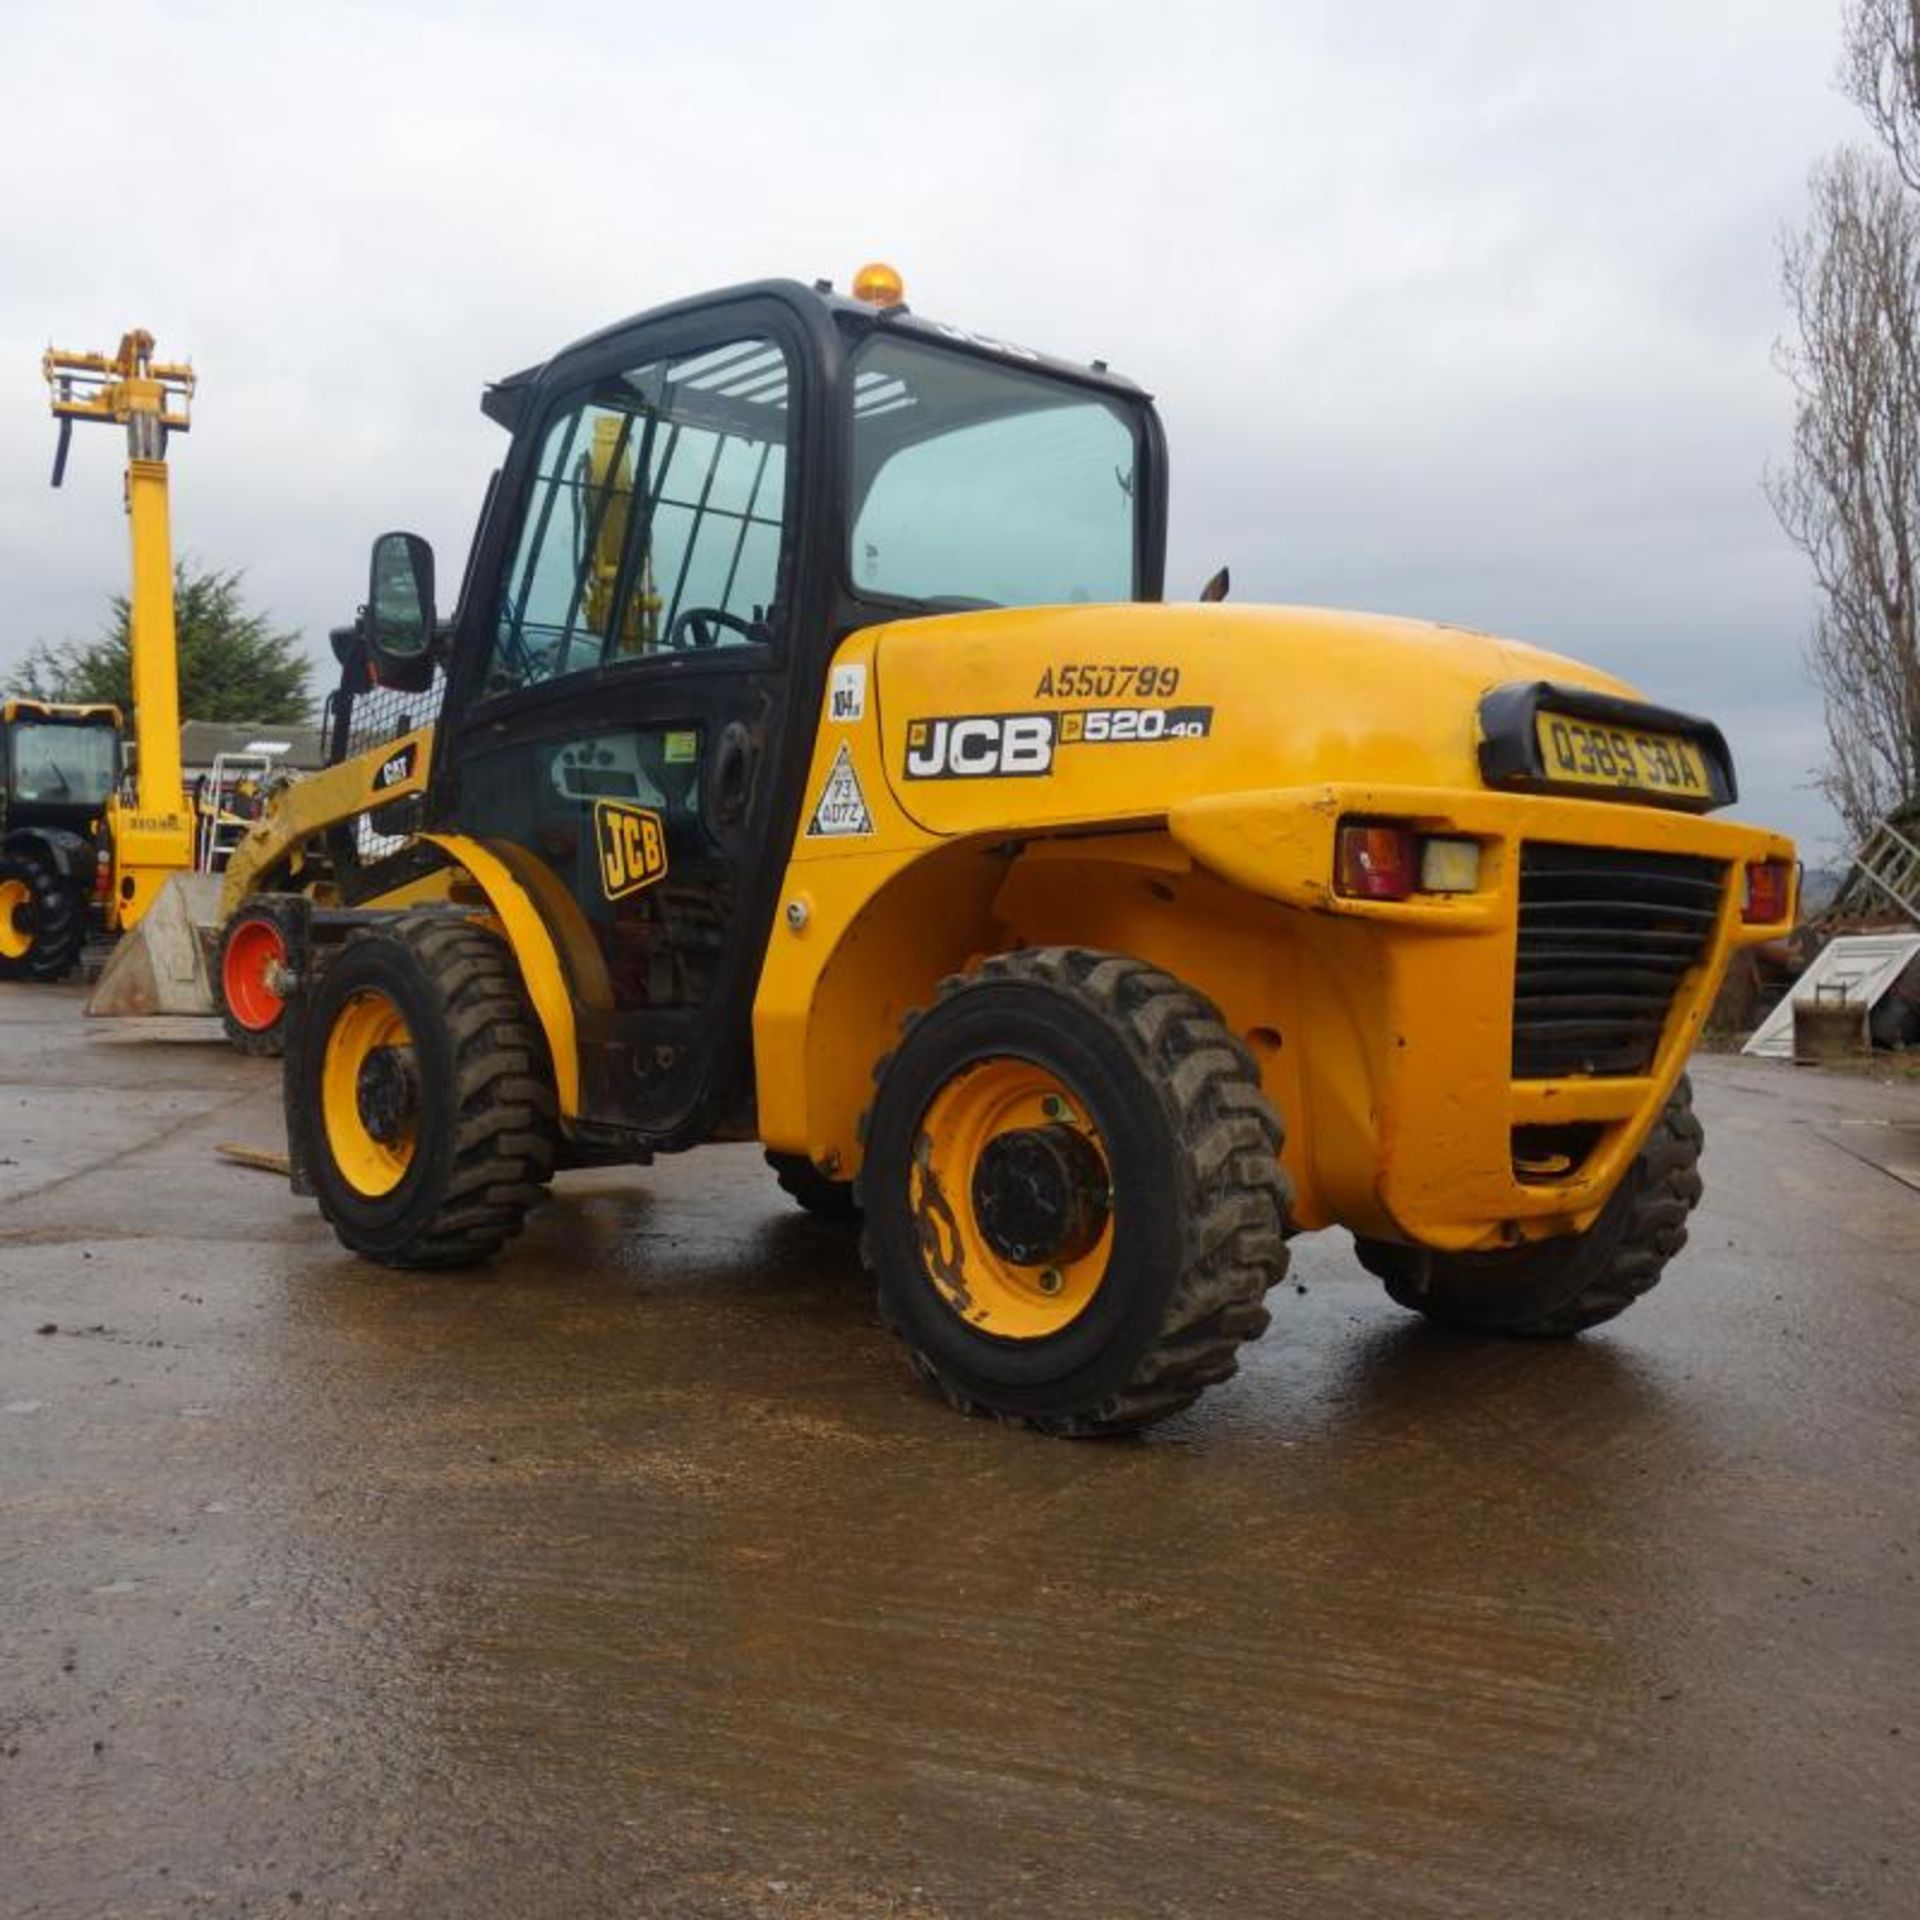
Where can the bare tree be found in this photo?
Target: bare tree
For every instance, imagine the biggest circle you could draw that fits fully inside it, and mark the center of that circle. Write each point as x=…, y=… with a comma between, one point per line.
x=1850, y=497
x=1880, y=69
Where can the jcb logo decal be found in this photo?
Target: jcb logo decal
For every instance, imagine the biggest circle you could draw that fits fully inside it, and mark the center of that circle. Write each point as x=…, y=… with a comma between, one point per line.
x=980, y=746
x=633, y=847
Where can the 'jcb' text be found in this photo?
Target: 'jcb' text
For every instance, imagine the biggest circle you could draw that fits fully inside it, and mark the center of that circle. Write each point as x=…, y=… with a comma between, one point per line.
x=980, y=746
x=633, y=847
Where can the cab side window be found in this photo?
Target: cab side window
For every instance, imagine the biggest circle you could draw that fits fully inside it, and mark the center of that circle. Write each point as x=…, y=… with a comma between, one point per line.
x=654, y=520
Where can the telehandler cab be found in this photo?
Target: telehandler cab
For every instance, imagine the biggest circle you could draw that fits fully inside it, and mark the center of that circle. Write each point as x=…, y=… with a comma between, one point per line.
x=819, y=764
x=59, y=770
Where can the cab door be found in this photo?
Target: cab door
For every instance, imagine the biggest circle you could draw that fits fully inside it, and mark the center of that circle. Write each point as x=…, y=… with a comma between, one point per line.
x=625, y=665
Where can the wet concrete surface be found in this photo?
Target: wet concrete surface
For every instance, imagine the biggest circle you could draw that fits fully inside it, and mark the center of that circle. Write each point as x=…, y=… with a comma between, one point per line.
x=634, y=1574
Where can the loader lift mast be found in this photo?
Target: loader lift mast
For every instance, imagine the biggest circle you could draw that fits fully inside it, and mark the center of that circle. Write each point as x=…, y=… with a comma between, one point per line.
x=152, y=400
x=138, y=851
x=79, y=850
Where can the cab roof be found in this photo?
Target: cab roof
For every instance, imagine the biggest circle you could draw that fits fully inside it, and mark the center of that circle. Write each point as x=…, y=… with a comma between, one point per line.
x=503, y=400
x=60, y=712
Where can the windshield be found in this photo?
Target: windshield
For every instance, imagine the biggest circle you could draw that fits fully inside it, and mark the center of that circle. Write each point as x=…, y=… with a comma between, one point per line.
x=67, y=766
x=981, y=485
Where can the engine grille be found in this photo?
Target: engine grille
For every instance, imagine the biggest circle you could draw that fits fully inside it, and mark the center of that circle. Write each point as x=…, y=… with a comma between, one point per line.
x=1605, y=939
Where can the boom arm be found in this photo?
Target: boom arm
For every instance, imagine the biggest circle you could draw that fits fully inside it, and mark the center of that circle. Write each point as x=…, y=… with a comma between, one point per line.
x=151, y=399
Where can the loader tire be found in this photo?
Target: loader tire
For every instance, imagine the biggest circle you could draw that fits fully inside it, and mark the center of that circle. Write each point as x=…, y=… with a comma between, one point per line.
x=249, y=980
x=1073, y=1194
x=43, y=921
x=803, y=1183
x=1557, y=1288
x=427, y=1093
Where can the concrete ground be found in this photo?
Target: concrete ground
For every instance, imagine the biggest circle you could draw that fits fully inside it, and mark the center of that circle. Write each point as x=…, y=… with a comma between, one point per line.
x=635, y=1576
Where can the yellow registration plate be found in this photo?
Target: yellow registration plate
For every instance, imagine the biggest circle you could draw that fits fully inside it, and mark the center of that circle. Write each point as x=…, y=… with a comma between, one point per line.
x=1590, y=755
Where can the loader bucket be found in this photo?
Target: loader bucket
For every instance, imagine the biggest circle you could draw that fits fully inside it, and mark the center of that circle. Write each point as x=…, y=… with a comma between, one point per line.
x=162, y=965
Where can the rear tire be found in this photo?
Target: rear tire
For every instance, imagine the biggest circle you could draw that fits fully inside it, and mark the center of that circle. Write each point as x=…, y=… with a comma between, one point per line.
x=1073, y=1194
x=804, y=1184
x=1557, y=1288
x=425, y=1092
x=253, y=1008
x=43, y=921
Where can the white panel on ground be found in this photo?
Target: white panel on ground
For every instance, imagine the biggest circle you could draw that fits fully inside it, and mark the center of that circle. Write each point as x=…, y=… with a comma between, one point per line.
x=1865, y=964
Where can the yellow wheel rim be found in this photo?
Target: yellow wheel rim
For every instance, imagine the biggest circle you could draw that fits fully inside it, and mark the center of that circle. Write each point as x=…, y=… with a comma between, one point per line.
x=1011, y=1298
x=16, y=941
x=367, y=1028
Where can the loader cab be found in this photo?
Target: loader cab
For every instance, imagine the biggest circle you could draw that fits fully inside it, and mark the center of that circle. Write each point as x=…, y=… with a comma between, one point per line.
x=59, y=764
x=698, y=505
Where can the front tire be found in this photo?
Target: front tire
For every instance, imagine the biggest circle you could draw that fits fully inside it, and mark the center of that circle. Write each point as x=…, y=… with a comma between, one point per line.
x=250, y=976
x=1554, y=1289
x=43, y=922
x=1074, y=1202
x=426, y=1093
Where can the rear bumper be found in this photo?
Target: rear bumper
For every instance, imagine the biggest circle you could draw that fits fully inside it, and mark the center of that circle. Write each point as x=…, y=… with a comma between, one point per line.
x=1412, y=1116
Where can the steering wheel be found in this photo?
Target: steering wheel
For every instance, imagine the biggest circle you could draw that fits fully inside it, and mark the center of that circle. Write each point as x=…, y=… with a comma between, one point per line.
x=700, y=627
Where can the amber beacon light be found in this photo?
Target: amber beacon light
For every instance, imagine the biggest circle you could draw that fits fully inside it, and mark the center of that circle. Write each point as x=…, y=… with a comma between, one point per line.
x=879, y=285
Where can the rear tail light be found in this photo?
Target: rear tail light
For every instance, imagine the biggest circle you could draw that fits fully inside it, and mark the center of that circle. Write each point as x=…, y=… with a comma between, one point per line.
x=1376, y=861
x=1769, y=888
x=102, y=874
x=1387, y=860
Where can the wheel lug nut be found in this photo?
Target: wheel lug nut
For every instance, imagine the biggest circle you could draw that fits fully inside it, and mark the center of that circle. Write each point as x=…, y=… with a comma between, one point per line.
x=1051, y=1280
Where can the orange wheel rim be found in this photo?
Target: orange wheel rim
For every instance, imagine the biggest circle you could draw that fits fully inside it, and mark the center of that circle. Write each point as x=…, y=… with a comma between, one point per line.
x=977, y=1118
x=256, y=952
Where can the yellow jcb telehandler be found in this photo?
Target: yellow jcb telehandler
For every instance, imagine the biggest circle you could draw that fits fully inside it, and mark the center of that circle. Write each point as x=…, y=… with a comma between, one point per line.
x=820, y=764
x=75, y=847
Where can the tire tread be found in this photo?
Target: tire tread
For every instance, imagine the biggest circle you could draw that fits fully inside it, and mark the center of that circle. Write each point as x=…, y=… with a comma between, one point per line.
x=60, y=933
x=1659, y=1190
x=1231, y=1136
x=505, y=1115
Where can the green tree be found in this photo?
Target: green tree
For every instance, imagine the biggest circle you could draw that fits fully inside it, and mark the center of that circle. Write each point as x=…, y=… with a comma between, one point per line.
x=233, y=665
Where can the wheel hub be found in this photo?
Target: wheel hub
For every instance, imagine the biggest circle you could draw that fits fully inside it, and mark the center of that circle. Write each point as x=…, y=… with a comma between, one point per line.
x=1041, y=1195
x=254, y=973
x=387, y=1091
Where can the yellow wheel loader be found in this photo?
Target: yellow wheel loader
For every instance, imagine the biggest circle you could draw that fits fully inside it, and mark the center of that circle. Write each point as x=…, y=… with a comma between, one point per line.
x=339, y=839
x=820, y=764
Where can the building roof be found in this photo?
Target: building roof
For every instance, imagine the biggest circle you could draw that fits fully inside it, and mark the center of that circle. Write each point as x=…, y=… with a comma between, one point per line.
x=298, y=748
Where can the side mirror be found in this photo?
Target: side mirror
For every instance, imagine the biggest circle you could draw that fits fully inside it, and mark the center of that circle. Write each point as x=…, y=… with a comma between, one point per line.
x=400, y=625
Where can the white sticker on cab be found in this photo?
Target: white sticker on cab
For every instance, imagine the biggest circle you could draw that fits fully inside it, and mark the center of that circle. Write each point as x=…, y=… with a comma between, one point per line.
x=847, y=693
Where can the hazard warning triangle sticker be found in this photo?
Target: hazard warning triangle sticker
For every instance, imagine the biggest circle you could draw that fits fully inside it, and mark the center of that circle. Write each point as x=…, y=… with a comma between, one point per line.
x=842, y=811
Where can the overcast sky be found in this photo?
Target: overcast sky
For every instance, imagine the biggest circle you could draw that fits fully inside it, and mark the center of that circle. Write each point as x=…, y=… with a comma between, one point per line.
x=1465, y=311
